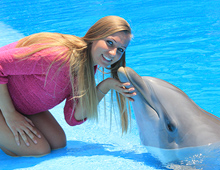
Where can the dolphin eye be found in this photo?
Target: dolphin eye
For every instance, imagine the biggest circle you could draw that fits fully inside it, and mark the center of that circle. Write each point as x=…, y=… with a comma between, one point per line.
x=170, y=126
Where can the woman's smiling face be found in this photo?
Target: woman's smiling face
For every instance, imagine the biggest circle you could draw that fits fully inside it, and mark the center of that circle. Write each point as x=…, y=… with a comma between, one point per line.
x=109, y=50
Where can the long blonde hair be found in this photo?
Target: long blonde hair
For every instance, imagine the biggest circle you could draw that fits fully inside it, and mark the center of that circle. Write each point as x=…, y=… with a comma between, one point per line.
x=101, y=29
x=78, y=55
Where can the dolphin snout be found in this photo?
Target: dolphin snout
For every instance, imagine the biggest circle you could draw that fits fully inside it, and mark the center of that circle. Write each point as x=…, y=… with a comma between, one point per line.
x=122, y=74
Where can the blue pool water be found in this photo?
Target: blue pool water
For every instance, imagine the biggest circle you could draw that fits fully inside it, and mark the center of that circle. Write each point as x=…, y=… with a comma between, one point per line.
x=178, y=41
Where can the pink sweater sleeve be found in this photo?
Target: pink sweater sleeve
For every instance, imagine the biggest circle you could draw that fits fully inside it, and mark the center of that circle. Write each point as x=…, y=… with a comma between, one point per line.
x=69, y=110
x=34, y=64
x=10, y=65
x=3, y=55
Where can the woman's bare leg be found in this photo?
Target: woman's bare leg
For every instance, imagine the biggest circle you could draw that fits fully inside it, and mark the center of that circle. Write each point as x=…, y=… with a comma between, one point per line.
x=50, y=128
x=10, y=147
x=52, y=137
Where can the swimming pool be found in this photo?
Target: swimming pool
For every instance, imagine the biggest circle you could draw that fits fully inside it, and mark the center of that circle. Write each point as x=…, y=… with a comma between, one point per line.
x=177, y=41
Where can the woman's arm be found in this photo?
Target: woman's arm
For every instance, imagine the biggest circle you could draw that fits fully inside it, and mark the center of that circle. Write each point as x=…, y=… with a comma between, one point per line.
x=111, y=83
x=18, y=124
x=103, y=88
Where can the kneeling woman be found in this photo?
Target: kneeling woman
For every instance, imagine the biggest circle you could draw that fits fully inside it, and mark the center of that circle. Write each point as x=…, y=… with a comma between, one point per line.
x=40, y=71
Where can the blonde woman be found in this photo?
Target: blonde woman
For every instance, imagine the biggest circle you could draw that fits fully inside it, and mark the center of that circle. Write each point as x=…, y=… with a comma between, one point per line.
x=39, y=71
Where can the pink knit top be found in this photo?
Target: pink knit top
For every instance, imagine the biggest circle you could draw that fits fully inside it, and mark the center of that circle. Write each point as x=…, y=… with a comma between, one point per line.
x=32, y=86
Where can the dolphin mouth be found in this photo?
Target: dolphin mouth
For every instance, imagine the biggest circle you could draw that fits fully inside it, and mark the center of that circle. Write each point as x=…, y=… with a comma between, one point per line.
x=129, y=73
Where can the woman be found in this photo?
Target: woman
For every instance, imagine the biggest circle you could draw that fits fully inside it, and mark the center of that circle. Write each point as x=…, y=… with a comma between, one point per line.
x=41, y=70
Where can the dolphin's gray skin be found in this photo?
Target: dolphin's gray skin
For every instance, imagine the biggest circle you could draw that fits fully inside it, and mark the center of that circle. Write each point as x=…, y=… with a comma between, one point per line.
x=166, y=117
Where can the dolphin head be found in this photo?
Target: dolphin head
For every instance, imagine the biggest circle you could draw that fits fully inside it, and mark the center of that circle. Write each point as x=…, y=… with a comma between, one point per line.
x=166, y=117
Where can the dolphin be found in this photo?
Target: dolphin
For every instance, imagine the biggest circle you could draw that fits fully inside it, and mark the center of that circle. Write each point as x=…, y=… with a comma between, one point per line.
x=166, y=117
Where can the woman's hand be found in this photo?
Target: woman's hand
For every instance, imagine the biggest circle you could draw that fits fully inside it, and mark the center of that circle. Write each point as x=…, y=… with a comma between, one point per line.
x=23, y=127
x=124, y=88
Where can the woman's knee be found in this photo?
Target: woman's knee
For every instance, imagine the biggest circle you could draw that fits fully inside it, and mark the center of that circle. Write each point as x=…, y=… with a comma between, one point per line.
x=37, y=150
x=34, y=150
x=41, y=150
x=50, y=128
x=60, y=142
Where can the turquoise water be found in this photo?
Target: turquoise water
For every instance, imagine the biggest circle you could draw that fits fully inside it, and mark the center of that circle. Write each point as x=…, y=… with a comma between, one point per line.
x=178, y=41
